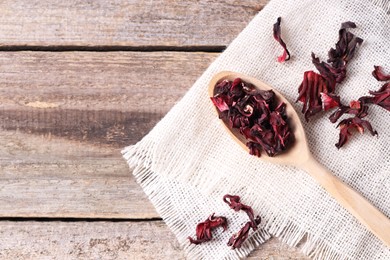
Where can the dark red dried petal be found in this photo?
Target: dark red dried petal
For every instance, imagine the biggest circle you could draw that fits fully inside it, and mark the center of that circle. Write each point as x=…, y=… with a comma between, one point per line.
x=254, y=148
x=277, y=36
x=379, y=74
x=220, y=103
x=332, y=75
x=357, y=108
x=310, y=90
x=236, y=90
x=239, y=238
x=203, y=229
x=338, y=113
x=329, y=101
x=382, y=96
x=345, y=47
x=222, y=87
x=316, y=91
x=355, y=104
x=347, y=25
x=352, y=123
x=234, y=203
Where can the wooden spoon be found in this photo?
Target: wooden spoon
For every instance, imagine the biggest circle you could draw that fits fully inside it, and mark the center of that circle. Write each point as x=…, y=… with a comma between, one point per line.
x=299, y=155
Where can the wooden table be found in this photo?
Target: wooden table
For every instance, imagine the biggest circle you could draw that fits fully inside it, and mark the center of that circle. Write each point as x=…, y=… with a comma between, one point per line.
x=79, y=81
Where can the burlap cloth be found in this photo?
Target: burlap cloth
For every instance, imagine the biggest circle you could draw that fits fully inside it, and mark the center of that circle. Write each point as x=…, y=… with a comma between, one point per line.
x=188, y=162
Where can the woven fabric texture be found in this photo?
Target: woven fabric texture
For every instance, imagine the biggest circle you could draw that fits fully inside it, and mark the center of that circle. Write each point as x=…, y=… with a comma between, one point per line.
x=188, y=162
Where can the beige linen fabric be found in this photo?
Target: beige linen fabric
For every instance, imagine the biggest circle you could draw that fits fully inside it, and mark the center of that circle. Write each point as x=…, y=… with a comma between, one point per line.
x=188, y=162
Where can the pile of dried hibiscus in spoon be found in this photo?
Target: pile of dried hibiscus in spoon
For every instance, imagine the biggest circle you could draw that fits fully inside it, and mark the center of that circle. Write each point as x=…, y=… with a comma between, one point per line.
x=256, y=114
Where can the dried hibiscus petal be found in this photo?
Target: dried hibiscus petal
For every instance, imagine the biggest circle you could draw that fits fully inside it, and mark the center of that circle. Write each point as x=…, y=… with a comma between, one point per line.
x=330, y=74
x=345, y=46
x=352, y=123
x=329, y=101
x=316, y=88
x=379, y=74
x=238, y=239
x=277, y=36
x=380, y=97
x=310, y=90
x=219, y=102
x=203, y=229
x=356, y=107
x=256, y=114
x=234, y=203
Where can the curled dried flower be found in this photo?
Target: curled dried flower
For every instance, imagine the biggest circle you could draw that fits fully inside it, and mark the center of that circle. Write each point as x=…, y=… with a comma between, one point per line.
x=277, y=36
x=238, y=239
x=379, y=74
x=203, y=229
x=352, y=123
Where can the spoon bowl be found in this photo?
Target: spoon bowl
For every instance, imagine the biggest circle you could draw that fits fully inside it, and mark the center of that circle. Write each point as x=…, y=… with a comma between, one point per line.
x=297, y=152
x=298, y=155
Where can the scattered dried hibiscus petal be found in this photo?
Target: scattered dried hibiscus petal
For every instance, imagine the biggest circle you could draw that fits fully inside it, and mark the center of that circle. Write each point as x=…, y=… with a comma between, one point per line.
x=277, y=36
x=380, y=97
x=352, y=123
x=256, y=114
x=237, y=239
x=310, y=90
x=203, y=229
x=345, y=47
x=359, y=108
x=332, y=72
x=379, y=74
x=329, y=101
x=234, y=203
x=356, y=107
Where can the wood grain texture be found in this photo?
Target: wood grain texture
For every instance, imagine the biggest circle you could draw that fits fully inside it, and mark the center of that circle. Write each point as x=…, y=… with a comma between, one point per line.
x=98, y=81
x=130, y=23
x=105, y=240
x=65, y=117
x=42, y=176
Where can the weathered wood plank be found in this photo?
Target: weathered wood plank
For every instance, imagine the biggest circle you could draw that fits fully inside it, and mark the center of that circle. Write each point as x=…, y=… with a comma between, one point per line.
x=105, y=240
x=65, y=117
x=112, y=98
x=122, y=81
x=124, y=22
x=50, y=177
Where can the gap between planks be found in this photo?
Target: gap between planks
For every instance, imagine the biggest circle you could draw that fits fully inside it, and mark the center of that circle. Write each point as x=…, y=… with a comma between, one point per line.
x=110, y=48
x=74, y=219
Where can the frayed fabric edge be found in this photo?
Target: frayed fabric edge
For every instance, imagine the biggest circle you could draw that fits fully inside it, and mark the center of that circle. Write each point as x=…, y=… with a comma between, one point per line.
x=276, y=225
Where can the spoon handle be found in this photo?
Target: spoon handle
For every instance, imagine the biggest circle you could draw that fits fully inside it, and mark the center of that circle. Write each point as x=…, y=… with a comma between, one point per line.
x=356, y=204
